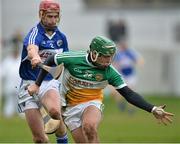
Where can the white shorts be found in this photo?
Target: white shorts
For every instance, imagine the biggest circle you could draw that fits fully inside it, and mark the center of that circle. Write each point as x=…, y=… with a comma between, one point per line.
x=72, y=115
x=25, y=101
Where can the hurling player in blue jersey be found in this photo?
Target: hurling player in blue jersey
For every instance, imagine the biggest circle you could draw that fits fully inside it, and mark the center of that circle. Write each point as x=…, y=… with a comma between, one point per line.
x=43, y=40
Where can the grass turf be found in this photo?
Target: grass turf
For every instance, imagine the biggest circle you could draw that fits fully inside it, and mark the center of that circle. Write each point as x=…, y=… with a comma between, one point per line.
x=116, y=126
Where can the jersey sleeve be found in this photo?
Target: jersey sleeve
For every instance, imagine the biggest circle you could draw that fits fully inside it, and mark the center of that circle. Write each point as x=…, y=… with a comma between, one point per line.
x=115, y=78
x=68, y=58
x=65, y=42
x=61, y=58
x=33, y=37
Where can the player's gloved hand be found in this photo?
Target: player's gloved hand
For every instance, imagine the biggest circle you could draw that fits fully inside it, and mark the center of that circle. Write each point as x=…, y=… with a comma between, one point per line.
x=33, y=89
x=161, y=115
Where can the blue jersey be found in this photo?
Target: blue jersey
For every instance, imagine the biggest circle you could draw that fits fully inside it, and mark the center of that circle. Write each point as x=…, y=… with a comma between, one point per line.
x=48, y=45
x=125, y=61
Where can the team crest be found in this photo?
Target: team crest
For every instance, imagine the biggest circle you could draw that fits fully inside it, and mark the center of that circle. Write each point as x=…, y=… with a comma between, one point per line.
x=59, y=43
x=99, y=77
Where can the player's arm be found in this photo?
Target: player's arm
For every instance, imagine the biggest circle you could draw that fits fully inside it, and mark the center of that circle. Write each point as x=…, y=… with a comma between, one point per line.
x=34, y=88
x=33, y=55
x=137, y=100
x=42, y=74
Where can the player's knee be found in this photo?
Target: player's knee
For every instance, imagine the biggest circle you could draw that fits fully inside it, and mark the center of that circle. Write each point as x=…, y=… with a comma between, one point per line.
x=54, y=113
x=90, y=130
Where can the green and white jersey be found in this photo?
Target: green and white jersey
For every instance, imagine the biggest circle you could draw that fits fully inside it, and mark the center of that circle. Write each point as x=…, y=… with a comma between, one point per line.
x=83, y=81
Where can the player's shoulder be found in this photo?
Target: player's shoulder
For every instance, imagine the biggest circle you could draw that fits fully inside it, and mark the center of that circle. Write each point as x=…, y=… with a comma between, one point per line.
x=33, y=30
x=32, y=34
x=60, y=33
x=71, y=57
x=72, y=53
x=112, y=73
x=111, y=70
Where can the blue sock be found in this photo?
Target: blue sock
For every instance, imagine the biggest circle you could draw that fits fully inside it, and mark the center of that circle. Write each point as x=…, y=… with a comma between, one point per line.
x=63, y=139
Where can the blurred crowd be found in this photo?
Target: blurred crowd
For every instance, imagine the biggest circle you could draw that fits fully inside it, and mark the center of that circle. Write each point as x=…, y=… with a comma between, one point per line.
x=10, y=73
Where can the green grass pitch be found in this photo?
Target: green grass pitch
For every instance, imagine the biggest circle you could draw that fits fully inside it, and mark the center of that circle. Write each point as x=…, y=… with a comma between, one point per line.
x=116, y=127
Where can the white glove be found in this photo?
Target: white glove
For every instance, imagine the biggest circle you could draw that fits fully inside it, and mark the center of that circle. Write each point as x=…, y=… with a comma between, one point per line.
x=161, y=115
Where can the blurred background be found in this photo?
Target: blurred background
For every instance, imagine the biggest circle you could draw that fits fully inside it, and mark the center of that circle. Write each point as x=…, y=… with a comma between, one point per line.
x=152, y=27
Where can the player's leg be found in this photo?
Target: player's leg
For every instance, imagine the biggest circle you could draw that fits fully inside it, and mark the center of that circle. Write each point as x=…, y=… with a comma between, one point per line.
x=50, y=125
x=90, y=122
x=36, y=125
x=87, y=133
x=51, y=101
x=73, y=119
x=83, y=120
x=30, y=106
x=79, y=136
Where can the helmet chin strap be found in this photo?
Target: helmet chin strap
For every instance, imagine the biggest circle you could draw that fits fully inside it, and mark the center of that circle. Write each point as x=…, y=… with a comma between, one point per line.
x=96, y=56
x=47, y=28
x=95, y=59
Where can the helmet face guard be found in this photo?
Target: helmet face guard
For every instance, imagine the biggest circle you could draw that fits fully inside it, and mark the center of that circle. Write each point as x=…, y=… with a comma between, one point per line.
x=48, y=6
x=101, y=46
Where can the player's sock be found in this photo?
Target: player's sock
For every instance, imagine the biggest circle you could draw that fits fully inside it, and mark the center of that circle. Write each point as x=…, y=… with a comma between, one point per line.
x=63, y=139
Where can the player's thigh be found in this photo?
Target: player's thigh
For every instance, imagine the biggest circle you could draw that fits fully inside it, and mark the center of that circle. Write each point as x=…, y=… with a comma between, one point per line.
x=51, y=99
x=49, y=94
x=91, y=116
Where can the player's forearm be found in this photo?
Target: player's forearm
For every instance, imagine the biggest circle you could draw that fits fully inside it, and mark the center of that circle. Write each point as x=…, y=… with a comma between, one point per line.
x=32, y=51
x=42, y=74
x=135, y=99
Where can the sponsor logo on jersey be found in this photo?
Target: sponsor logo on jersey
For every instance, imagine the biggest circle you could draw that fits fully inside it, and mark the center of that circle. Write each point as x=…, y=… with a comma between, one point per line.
x=79, y=83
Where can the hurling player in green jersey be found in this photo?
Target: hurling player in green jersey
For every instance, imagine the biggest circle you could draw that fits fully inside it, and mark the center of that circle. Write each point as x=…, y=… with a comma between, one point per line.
x=85, y=75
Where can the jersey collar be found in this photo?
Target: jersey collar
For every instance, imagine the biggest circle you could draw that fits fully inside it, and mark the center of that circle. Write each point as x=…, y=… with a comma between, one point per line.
x=42, y=30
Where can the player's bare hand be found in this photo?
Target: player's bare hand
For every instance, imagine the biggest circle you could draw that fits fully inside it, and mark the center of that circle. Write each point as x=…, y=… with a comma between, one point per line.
x=161, y=115
x=35, y=61
x=33, y=89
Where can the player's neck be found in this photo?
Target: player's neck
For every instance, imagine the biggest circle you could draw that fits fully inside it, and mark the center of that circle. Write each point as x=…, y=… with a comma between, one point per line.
x=49, y=32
